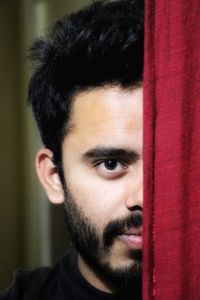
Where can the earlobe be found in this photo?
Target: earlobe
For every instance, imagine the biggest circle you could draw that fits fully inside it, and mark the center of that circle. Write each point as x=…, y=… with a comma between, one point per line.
x=48, y=176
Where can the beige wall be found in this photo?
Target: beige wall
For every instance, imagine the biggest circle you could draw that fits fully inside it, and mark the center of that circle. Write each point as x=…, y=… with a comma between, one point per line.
x=11, y=165
x=26, y=235
x=57, y=9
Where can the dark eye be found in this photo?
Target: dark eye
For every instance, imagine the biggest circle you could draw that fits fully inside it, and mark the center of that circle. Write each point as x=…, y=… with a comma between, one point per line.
x=111, y=164
x=111, y=168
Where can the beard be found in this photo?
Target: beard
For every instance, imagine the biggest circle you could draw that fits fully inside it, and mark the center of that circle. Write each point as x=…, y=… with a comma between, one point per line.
x=96, y=249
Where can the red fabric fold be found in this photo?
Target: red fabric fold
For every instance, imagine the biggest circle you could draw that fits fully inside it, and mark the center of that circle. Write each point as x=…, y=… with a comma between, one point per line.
x=171, y=262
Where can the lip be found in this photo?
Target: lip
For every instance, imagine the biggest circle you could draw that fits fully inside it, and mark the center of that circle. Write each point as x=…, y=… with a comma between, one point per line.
x=133, y=237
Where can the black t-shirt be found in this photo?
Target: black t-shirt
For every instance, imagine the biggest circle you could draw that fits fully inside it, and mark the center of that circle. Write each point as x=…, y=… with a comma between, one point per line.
x=62, y=282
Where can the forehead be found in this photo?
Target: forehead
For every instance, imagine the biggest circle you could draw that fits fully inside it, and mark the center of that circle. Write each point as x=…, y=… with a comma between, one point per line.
x=102, y=106
x=106, y=113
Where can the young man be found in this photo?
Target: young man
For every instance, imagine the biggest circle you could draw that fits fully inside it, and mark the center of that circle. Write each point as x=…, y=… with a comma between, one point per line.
x=86, y=95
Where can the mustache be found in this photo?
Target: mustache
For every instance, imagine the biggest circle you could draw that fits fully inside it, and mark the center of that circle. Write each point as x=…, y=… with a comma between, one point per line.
x=120, y=226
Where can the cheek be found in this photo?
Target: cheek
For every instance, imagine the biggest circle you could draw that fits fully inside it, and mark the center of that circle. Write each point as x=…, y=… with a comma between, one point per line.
x=98, y=199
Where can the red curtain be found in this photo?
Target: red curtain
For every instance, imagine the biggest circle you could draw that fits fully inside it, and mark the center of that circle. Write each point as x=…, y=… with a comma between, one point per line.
x=171, y=262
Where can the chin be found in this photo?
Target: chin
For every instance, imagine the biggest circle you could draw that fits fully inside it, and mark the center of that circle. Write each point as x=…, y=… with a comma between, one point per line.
x=124, y=260
x=121, y=274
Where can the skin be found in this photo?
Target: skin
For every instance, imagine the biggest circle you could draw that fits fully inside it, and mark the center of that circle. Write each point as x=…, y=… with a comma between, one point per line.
x=107, y=117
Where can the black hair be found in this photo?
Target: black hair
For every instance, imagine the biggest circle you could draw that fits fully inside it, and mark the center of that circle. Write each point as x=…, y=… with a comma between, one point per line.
x=99, y=45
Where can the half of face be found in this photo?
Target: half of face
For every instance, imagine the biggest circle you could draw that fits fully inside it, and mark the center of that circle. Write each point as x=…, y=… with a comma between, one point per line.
x=102, y=163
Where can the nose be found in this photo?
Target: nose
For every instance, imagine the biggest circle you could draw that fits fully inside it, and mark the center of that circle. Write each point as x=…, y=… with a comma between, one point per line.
x=135, y=193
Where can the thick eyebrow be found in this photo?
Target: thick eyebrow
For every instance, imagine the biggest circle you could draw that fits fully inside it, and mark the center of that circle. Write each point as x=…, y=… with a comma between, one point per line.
x=101, y=152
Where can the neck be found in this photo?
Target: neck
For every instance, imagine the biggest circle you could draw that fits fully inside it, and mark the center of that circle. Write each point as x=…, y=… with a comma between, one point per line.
x=92, y=277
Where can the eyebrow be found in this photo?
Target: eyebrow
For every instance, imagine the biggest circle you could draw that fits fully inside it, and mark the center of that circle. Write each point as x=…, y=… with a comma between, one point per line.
x=100, y=152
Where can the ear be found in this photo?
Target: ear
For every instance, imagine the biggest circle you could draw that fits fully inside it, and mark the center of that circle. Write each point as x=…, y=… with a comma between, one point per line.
x=48, y=176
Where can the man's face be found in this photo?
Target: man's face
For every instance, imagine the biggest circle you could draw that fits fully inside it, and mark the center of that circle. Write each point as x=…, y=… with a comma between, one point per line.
x=102, y=164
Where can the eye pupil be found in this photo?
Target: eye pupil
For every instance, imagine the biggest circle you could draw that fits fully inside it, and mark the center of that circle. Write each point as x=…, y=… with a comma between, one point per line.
x=110, y=164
